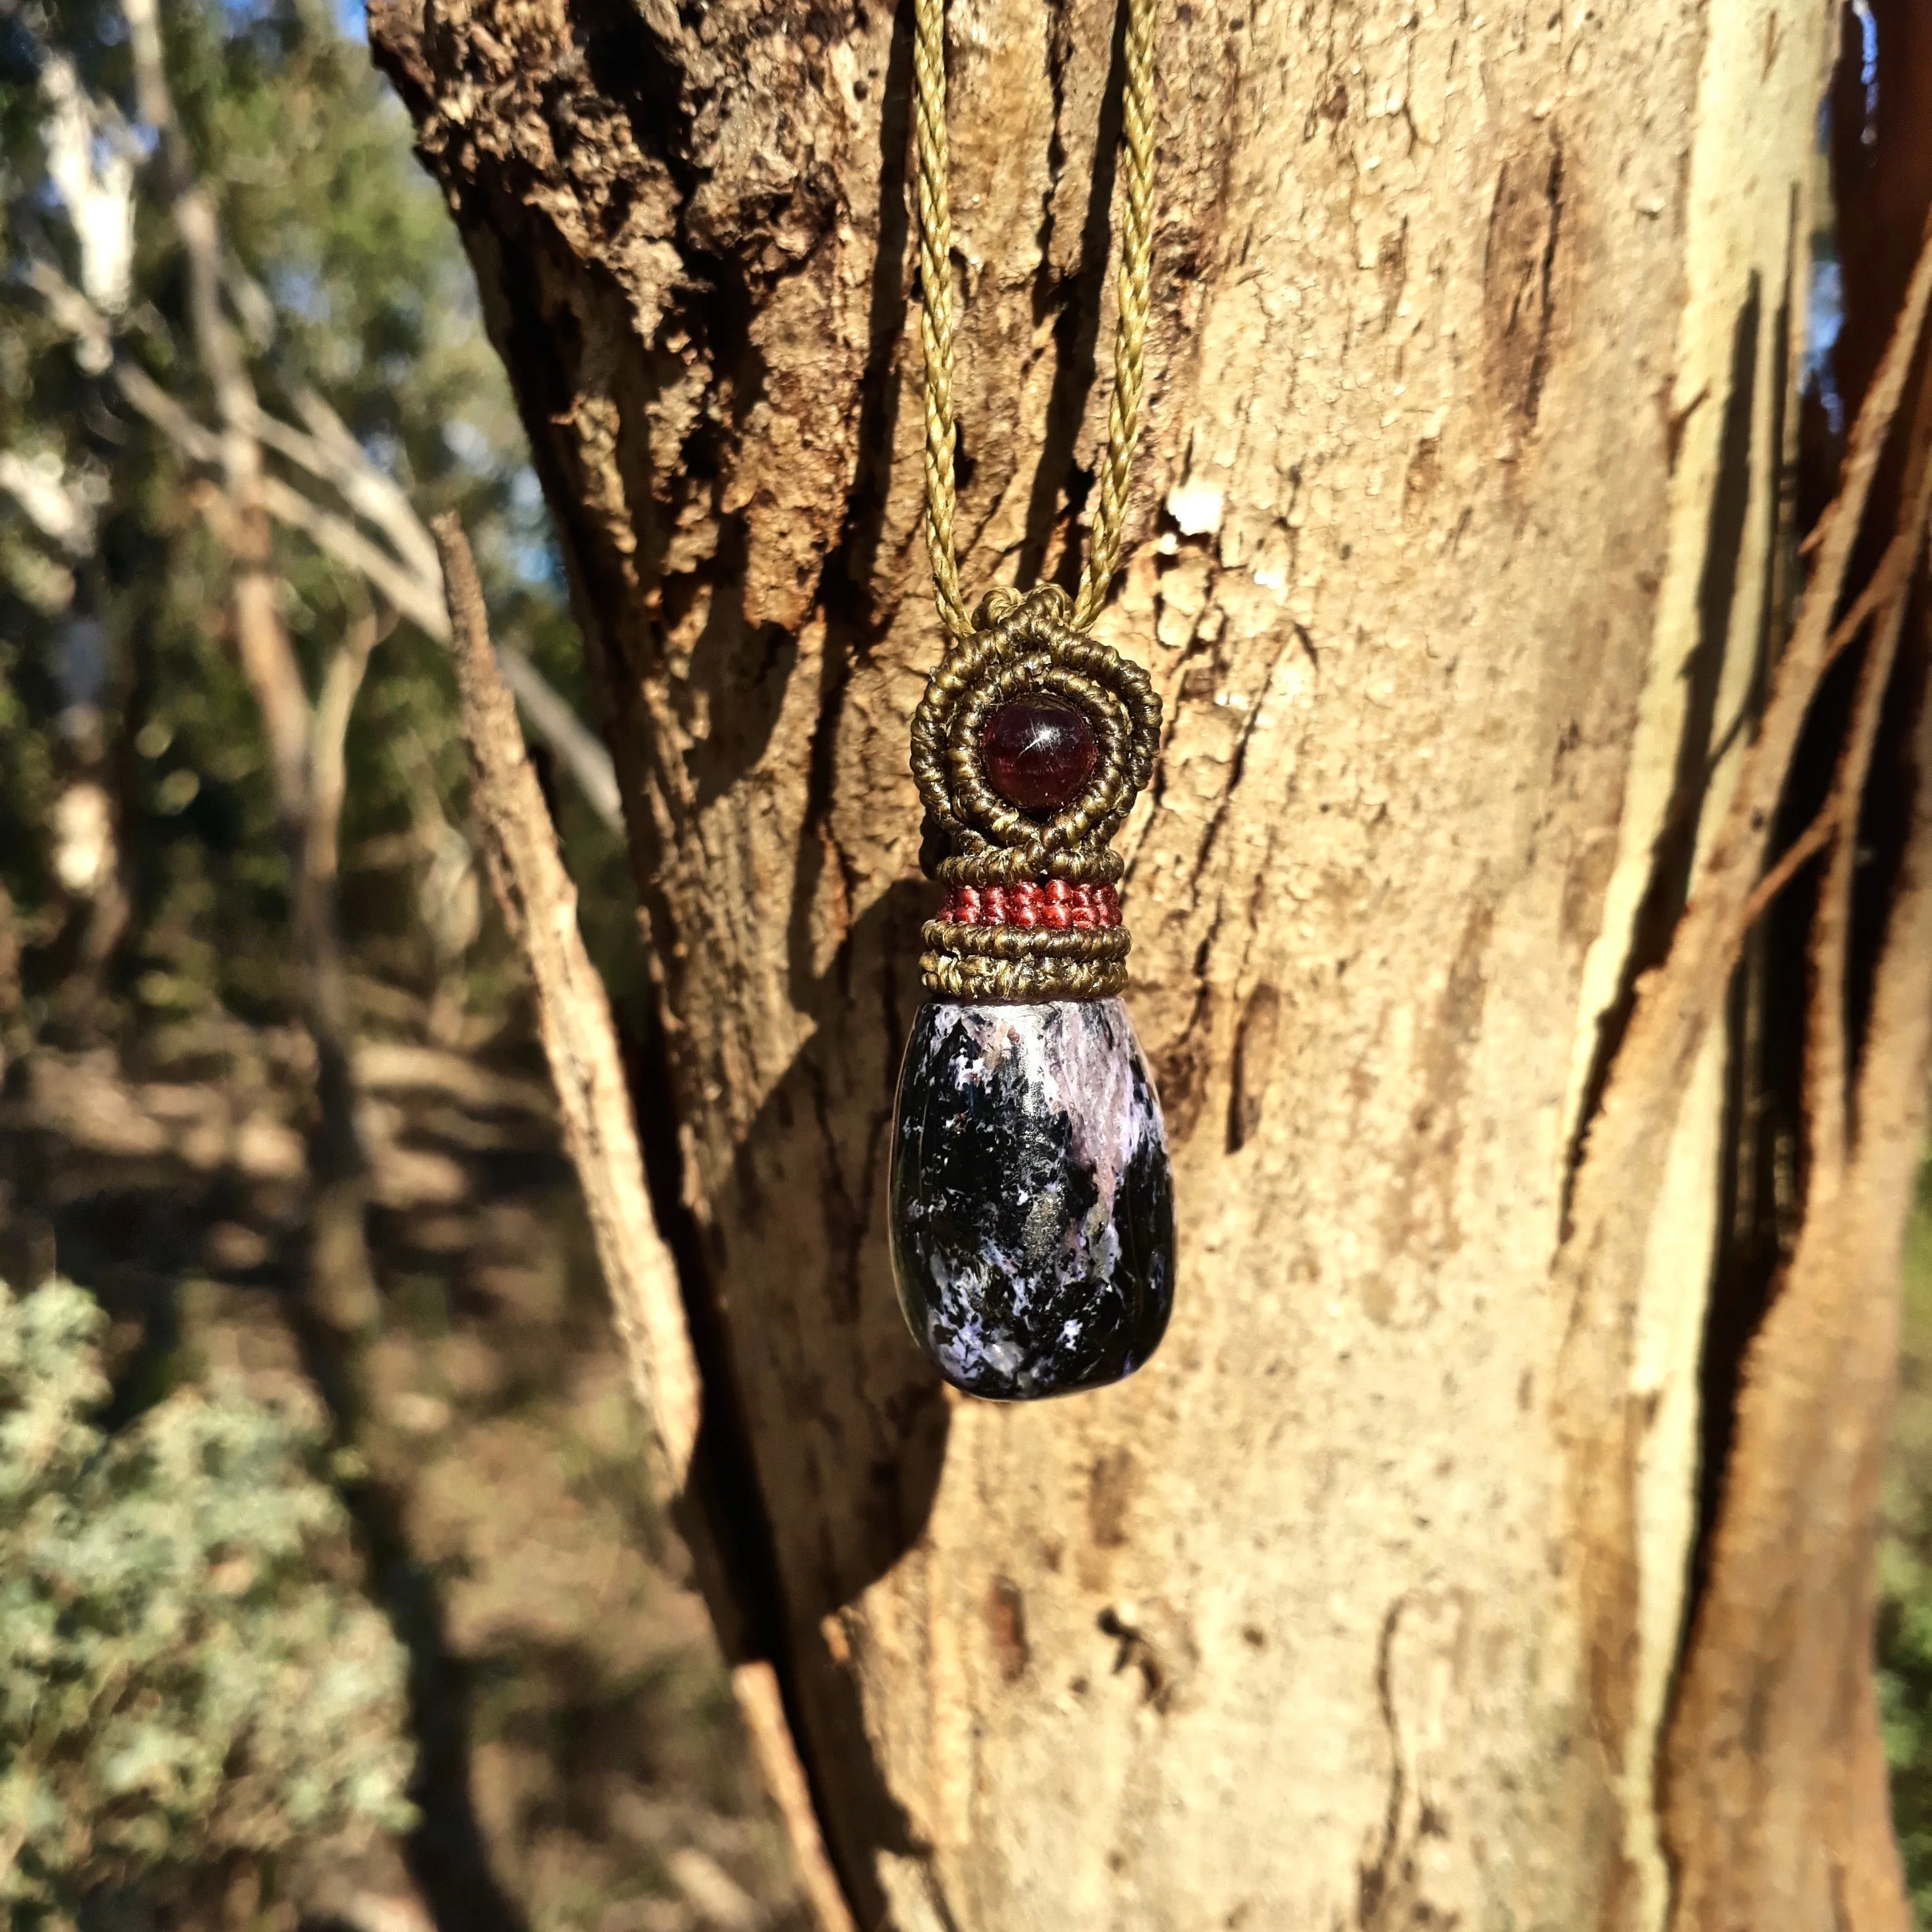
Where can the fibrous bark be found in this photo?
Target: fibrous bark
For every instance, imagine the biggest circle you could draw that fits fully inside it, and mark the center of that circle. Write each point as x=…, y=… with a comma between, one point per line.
x=1457, y=556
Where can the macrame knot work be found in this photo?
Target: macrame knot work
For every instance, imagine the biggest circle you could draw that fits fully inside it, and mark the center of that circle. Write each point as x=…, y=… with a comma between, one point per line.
x=1033, y=908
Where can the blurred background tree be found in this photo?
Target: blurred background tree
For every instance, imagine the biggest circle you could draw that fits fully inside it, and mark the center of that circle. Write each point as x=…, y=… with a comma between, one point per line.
x=356, y=319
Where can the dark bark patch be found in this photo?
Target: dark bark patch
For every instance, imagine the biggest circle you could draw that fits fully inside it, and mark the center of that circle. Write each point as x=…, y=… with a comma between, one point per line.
x=1110, y=1490
x=1005, y=1618
x=1161, y=1649
x=1254, y=1061
x=1392, y=271
x=1333, y=108
x=1180, y=1074
x=1519, y=273
x=1061, y=486
x=1419, y=480
x=1419, y=1218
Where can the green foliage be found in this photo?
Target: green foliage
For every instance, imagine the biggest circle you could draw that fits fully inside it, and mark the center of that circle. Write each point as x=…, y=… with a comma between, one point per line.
x=181, y=1681
x=1905, y=1573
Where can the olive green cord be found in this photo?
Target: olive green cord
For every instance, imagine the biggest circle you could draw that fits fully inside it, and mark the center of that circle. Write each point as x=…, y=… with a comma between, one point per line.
x=936, y=319
x=1036, y=642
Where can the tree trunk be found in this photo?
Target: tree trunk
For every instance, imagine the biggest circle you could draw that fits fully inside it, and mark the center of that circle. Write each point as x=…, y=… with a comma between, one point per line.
x=1457, y=553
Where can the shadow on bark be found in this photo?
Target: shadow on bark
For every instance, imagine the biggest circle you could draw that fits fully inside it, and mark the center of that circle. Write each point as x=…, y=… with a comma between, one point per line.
x=870, y=1508
x=1076, y=336
x=1673, y=856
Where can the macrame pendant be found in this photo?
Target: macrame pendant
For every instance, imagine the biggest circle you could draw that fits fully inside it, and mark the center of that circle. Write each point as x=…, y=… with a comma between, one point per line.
x=1032, y=1208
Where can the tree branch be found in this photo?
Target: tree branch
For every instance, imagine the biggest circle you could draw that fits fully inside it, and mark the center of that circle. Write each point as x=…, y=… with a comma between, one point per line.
x=342, y=541
x=551, y=719
x=341, y=683
x=61, y=509
x=539, y=905
x=368, y=491
x=1885, y=593
x=267, y=659
x=578, y=749
x=331, y=454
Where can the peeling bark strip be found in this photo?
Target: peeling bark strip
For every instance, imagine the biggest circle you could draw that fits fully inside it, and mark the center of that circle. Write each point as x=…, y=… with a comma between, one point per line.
x=539, y=906
x=1357, y=1607
x=1600, y=1269
x=1776, y=1718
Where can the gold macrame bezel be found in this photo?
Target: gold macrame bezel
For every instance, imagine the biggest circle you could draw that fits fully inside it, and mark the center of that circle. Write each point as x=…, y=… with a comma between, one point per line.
x=1022, y=644
x=1029, y=645
x=1040, y=640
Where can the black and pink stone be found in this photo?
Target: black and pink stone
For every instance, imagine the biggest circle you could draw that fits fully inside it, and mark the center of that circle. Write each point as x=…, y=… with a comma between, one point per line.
x=1032, y=1206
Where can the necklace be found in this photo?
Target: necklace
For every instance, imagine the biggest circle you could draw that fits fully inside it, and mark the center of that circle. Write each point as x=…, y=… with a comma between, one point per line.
x=1032, y=1207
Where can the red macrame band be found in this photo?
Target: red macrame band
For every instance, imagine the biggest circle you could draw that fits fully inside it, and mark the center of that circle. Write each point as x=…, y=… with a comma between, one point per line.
x=1052, y=903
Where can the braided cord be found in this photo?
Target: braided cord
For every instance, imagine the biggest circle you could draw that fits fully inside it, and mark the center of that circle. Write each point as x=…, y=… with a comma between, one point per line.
x=936, y=322
x=935, y=282
x=1123, y=413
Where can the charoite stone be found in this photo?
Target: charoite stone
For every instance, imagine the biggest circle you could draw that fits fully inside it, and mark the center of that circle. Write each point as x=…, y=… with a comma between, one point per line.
x=1033, y=1210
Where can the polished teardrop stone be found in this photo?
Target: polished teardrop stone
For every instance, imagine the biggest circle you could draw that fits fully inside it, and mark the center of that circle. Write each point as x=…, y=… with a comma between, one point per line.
x=1038, y=753
x=1032, y=1207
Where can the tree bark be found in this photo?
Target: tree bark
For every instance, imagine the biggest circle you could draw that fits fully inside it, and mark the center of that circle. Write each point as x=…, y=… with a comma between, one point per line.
x=1459, y=545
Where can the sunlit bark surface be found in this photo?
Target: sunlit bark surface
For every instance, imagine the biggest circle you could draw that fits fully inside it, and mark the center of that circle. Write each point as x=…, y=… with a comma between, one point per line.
x=1453, y=555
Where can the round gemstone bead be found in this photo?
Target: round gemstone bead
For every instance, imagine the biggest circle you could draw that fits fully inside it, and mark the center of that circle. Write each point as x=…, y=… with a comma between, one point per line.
x=1038, y=753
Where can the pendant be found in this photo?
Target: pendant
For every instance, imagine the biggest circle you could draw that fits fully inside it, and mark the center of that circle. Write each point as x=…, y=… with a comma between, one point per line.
x=1033, y=1232
x=1033, y=1212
